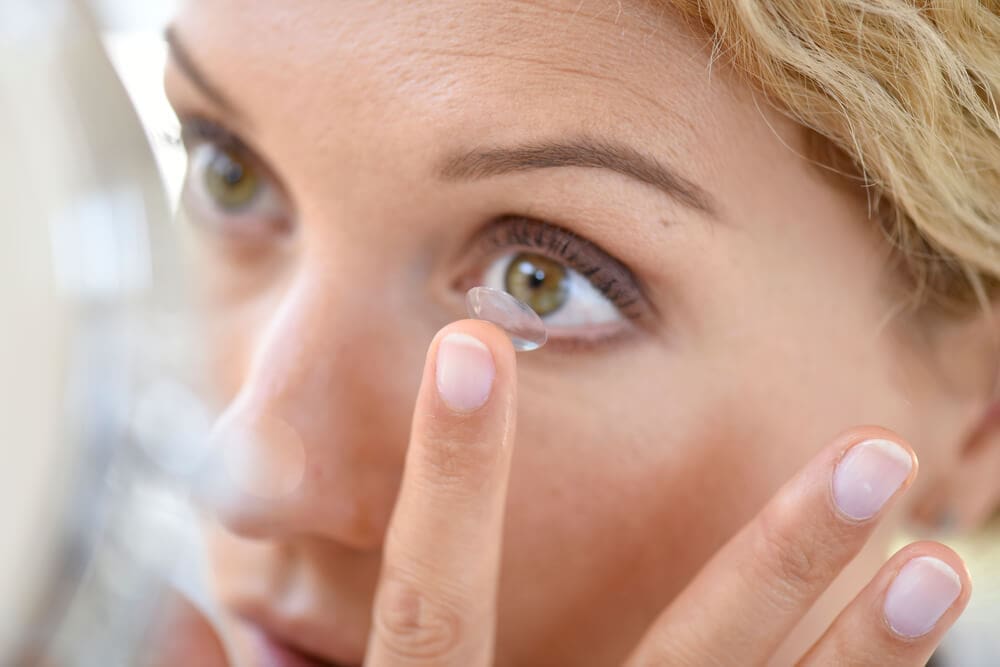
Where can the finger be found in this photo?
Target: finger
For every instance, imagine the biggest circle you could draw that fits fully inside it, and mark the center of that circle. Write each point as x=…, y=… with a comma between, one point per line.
x=436, y=598
x=901, y=616
x=747, y=598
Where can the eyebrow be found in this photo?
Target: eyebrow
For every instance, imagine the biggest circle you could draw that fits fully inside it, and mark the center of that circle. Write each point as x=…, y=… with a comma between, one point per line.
x=580, y=152
x=186, y=63
x=482, y=163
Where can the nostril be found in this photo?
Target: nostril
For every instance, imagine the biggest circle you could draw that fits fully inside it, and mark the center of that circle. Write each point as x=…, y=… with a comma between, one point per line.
x=255, y=456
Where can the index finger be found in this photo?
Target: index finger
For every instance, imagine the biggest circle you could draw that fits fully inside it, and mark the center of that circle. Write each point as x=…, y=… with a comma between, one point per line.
x=436, y=597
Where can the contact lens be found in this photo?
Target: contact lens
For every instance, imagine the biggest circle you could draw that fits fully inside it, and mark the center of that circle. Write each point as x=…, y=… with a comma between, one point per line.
x=522, y=324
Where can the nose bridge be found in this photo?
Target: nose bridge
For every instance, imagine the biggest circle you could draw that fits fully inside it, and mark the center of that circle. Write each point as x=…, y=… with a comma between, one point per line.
x=297, y=352
x=329, y=425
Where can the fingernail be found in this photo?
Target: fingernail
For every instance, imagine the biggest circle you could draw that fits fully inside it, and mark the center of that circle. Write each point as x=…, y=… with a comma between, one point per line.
x=920, y=594
x=465, y=372
x=868, y=475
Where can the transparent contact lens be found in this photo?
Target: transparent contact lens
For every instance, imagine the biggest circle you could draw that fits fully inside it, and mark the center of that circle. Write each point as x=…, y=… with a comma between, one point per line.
x=523, y=325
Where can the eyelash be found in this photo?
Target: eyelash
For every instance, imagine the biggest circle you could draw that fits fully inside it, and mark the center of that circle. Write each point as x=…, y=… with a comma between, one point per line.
x=607, y=274
x=195, y=130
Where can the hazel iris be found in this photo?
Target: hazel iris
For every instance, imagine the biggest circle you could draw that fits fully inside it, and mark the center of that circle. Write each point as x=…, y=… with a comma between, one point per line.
x=538, y=281
x=231, y=180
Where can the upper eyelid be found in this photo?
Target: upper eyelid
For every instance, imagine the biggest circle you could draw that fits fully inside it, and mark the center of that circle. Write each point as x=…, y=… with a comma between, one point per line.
x=202, y=129
x=542, y=234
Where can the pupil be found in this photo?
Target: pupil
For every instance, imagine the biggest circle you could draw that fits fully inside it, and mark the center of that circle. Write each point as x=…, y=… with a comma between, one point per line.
x=230, y=180
x=537, y=279
x=233, y=174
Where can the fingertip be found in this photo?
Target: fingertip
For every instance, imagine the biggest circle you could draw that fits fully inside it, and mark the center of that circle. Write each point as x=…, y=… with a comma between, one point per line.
x=871, y=466
x=488, y=333
x=936, y=550
x=853, y=436
x=469, y=375
x=496, y=341
x=928, y=588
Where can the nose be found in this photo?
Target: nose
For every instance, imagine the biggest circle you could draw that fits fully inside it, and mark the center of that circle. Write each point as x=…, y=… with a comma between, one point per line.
x=314, y=440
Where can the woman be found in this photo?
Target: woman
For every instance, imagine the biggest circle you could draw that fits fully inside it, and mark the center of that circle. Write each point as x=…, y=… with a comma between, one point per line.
x=766, y=243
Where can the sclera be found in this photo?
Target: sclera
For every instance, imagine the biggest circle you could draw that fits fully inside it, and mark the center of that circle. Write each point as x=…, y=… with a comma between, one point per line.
x=523, y=325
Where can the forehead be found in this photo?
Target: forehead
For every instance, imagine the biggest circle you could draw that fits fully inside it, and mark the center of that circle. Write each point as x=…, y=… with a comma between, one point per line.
x=343, y=94
x=456, y=61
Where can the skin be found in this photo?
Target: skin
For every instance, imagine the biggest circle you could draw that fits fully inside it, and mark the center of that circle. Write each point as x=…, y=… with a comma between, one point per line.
x=767, y=330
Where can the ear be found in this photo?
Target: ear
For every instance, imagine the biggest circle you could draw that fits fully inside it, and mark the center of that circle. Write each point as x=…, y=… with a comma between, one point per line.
x=967, y=494
x=970, y=494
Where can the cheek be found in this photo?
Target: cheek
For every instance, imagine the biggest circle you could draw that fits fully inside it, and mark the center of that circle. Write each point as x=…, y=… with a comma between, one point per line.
x=624, y=483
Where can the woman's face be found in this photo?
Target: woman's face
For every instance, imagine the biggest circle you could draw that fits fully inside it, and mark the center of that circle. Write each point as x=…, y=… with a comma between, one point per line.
x=718, y=307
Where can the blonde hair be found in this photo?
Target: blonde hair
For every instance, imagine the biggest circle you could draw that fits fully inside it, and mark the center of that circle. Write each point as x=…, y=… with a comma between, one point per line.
x=901, y=95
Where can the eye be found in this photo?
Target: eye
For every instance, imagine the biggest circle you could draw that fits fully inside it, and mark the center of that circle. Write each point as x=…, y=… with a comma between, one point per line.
x=561, y=296
x=229, y=179
x=227, y=189
x=581, y=292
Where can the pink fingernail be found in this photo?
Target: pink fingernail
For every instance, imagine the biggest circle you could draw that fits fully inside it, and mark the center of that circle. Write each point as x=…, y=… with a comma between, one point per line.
x=868, y=475
x=465, y=372
x=920, y=594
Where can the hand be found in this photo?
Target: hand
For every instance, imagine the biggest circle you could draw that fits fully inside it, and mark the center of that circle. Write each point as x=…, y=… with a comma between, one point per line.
x=437, y=594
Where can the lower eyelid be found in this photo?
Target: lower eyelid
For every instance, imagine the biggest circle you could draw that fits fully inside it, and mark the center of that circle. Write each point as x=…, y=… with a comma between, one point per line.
x=582, y=341
x=594, y=331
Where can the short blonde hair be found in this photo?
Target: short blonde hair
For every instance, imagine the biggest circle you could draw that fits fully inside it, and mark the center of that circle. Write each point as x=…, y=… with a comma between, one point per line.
x=901, y=95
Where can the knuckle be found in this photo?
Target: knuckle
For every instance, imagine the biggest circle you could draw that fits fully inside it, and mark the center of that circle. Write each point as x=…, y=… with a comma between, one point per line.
x=785, y=558
x=849, y=648
x=414, y=623
x=458, y=454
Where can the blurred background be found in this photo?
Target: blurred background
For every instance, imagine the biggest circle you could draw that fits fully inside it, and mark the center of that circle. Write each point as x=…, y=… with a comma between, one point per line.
x=133, y=35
